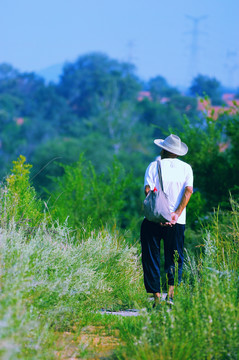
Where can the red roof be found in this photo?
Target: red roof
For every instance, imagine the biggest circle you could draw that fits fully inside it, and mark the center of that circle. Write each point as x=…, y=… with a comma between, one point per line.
x=144, y=94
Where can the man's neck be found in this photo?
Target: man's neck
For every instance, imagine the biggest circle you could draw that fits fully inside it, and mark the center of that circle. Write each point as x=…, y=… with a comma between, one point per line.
x=168, y=155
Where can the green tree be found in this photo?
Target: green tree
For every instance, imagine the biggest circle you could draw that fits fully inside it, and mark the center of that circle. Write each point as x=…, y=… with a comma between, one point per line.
x=185, y=105
x=160, y=116
x=203, y=85
x=95, y=82
x=159, y=87
x=210, y=165
x=232, y=131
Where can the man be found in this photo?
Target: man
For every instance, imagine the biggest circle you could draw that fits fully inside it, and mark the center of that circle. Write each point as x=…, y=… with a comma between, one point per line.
x=177, y=177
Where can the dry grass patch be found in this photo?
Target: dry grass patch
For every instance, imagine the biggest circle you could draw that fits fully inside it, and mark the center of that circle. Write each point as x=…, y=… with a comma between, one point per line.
x=93, y=343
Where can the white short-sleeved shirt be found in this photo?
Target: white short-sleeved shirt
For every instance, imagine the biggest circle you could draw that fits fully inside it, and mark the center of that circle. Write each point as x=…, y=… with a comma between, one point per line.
x=176, y=175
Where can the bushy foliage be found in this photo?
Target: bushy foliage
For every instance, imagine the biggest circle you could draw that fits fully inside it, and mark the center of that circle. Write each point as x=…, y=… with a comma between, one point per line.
x=203, y=85
x=214, y=169
x=95, y=83
x=98, y=108
x=87, y=200
x=196, y=210
x=19, y=200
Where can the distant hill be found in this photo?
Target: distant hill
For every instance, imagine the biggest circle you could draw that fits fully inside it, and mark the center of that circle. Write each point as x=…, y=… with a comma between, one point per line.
x=51, y=73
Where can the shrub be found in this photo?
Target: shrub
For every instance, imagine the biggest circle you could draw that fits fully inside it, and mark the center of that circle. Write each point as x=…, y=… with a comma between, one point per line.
x=90, y=201
x=19, y=199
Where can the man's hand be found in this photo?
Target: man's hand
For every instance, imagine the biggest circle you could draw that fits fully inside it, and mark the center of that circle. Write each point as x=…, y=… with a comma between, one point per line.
x=166, y=224
x=184, y=201
x=174, y=219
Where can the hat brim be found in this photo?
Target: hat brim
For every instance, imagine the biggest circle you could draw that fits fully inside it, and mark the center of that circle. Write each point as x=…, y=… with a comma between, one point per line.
x=180, y=152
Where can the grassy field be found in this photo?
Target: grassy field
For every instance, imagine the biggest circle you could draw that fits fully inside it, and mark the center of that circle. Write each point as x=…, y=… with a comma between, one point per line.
x=55, y=281
x=52, y=287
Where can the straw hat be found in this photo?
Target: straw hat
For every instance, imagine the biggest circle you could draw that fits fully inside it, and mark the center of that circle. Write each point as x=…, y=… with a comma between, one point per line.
x=172, y=144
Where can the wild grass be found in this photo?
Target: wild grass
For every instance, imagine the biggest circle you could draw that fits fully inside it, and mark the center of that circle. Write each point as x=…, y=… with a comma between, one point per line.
x=203, y=323
x=51, y=282
x=54, y=282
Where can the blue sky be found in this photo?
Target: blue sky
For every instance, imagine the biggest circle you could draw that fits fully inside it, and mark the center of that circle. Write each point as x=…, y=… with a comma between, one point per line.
x=157, y=36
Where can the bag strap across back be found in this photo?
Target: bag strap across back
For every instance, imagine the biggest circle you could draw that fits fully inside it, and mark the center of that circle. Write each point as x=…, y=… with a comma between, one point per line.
x=160, y=175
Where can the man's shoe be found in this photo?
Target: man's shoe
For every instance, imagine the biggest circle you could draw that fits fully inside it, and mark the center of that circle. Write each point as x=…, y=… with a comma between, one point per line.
x=169, y=300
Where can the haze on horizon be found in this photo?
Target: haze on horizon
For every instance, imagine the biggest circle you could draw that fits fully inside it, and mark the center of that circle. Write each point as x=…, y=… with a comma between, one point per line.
x=177, y=40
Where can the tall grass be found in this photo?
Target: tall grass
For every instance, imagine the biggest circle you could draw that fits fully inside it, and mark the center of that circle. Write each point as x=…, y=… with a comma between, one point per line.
x=203, y=323
x=51, y=282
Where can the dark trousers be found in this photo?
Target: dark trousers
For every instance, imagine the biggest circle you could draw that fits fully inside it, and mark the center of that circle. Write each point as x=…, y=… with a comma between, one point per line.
x=173, y=237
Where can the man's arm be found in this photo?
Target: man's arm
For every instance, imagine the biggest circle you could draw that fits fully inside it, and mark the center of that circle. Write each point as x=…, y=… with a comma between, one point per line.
x=183, y=203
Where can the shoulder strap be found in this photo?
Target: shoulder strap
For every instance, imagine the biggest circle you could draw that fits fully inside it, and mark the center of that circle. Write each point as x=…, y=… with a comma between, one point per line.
x=160, y=174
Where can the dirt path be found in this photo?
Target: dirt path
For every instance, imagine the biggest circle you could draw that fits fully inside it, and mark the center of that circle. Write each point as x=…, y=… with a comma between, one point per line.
x=94, y=343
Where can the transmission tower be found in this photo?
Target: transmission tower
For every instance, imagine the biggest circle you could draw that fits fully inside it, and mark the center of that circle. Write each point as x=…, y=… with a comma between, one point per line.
x=194, y=47
x=231, y=66
x=130, y=48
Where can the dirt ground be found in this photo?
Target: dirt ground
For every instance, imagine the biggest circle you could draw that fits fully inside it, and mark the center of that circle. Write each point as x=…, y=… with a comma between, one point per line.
x=93, y=343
